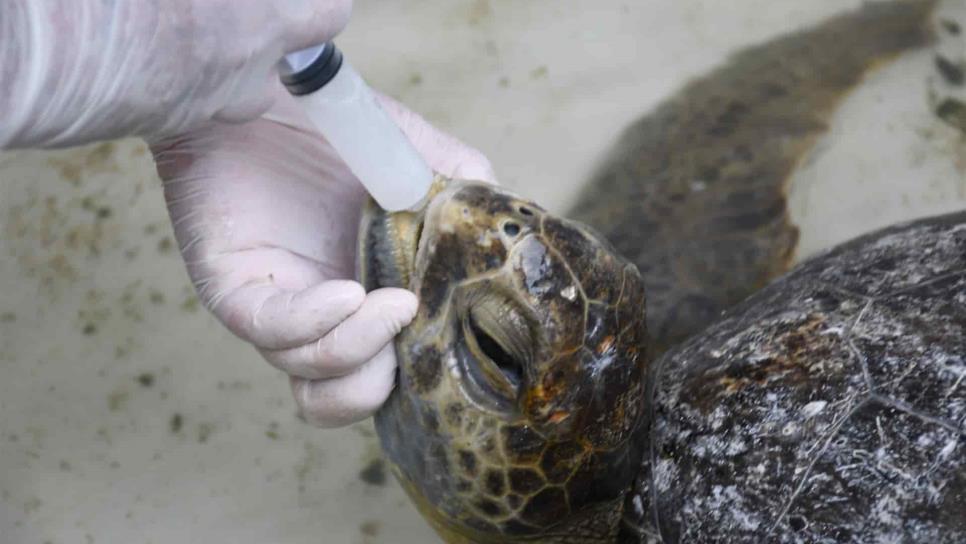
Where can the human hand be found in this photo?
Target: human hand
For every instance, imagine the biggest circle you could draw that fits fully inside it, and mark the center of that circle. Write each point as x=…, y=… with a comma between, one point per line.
x=266, y=216
x=75, y=71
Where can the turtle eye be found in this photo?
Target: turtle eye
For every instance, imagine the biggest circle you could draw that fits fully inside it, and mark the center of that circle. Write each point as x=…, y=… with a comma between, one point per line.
x=511, y=368
x=500, y=338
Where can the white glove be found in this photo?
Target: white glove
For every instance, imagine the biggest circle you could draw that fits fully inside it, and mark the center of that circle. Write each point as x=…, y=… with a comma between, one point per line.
x=266, y=216
x=265, y=213
x=74, y=71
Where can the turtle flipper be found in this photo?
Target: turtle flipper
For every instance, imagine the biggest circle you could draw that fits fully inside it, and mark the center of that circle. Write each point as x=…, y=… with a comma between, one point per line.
x=948, y=87
x=695, y=194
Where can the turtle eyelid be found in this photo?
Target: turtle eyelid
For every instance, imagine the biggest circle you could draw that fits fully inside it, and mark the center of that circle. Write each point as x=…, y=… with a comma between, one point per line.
x=501, y=338
x=511, y=368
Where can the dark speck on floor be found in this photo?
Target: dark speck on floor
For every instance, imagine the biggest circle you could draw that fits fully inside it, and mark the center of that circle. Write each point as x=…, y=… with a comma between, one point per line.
x=369, y=528
x=204, y=432
x=146, y=379
x=117, y=400
x=190, y=304
x=374, y=473
x=165, y=244
x=953, y=73
x=89, y=329
x=272, y=431
x=953, y=112
x=177, y=421
x=157, y=297
x=951, y=26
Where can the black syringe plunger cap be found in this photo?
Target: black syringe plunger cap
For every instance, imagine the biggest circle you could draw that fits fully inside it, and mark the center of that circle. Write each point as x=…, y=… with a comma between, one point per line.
x=316, y=74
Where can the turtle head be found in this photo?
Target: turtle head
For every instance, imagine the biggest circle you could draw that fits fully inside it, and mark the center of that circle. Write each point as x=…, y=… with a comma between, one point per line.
x=521, y=377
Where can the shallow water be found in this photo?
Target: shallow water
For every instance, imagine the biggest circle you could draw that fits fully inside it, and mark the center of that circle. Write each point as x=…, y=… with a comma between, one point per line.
x=127, y=414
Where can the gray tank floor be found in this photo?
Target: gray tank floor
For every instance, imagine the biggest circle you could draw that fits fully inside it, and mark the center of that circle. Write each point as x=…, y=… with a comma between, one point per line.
x=127, y=414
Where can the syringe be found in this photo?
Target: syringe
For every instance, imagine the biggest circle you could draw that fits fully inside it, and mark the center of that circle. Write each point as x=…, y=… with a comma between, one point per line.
x=344, y=110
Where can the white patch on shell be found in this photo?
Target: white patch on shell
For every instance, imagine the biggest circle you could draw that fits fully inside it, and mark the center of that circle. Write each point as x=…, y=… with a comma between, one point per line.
x=638, y=506
x=791, y=429
x=569, y=293
x=666, y=473
x=948, y=449
x=813, y=408
x=729, y=499
x=717, y=418
x=736, y=446
x=837, y=331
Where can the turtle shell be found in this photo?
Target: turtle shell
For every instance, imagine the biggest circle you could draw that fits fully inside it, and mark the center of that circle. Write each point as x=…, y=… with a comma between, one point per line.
x=829, y=407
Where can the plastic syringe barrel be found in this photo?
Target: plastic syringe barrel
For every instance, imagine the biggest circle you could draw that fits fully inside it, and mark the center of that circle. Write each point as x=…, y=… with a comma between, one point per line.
x=344, y=110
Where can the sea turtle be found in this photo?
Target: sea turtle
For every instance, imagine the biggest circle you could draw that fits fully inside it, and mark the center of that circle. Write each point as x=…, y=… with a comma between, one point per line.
x=532, y=404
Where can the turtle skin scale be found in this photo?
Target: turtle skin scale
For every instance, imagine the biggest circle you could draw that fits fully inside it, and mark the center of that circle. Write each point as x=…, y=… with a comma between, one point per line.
x=828, y=407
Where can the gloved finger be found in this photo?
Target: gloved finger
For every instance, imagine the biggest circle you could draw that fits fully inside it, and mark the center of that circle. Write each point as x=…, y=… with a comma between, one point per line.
x=312, y=22
x=354, y=341
x=275, y=318
x=444, y=153
x=340, y=401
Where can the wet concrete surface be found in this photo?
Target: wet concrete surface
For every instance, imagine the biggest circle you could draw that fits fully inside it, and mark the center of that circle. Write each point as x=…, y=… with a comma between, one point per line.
x=128, y=414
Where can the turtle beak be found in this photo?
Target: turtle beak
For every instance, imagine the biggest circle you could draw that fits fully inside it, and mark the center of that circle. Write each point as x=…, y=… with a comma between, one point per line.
x=388, y=242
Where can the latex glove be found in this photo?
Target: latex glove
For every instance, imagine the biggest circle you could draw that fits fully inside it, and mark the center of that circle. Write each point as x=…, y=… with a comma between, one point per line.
x=266, y=216
x=74, y=71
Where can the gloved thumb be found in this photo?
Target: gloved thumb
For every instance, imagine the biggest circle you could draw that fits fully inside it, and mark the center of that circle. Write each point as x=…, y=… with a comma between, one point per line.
x=355, y=340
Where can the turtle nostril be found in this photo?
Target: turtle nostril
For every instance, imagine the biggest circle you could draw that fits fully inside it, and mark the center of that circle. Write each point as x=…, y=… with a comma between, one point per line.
x=525, y=211
x=511, y=229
